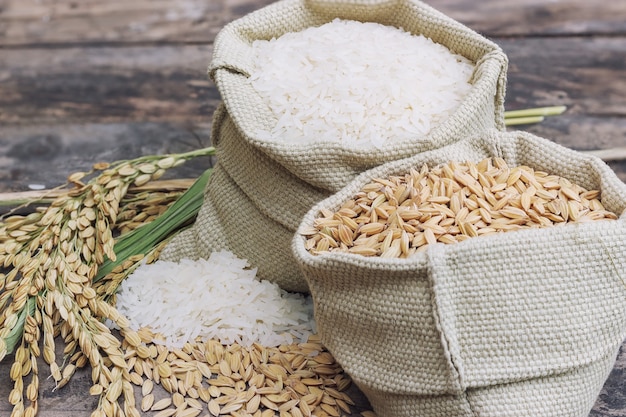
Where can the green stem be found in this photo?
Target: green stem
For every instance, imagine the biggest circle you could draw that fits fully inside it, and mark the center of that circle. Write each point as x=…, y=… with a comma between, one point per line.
x=537, y=111
x=25, y=201
x=514, y=121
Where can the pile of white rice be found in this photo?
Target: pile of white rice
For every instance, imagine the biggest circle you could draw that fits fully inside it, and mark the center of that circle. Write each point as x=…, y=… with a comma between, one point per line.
x=219, y=298
x=359, y=83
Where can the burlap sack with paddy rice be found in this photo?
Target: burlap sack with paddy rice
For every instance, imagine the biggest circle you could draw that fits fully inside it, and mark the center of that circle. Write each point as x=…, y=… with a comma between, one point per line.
x=260, y=190
x=524, y=323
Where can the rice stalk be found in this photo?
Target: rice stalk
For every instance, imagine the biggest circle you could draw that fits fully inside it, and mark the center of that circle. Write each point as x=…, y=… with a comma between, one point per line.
x=50, y=258
x=611, y=154
x=530, y=116
x=528, y=120
x=535, y=111
x=21, y=200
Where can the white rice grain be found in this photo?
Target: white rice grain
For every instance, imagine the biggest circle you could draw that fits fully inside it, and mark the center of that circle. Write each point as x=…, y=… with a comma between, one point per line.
x=219, y=298
x=358, y=83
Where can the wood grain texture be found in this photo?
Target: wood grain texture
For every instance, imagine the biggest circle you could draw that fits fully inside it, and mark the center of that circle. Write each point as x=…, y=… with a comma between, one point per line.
x=586, y=74
x=106, y=84
x=44, y=155
x=65, y=22
x=154, y=82
x=537, y=17
x=50, y=22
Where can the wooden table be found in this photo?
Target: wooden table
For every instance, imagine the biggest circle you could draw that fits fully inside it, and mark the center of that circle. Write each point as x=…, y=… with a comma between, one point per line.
x=83, y=81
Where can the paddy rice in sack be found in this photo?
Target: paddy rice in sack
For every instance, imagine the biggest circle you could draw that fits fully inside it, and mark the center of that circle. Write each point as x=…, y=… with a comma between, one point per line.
x=267, y=178
x=525, y=321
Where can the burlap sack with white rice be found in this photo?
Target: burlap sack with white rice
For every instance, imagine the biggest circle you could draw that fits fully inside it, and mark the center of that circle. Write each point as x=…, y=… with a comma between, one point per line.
x=524, y=323
x=260, y=190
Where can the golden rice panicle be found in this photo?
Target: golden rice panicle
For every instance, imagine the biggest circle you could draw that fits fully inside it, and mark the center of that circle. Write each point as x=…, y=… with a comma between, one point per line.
x=139, y=208
x=32, y=335
x=25, y=363
x=51, y=257
x=399, y=216
x=16, y=395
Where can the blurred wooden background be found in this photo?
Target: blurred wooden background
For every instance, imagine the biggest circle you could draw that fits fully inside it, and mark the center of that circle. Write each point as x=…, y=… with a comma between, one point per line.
x=89, y=80
x=83, y=81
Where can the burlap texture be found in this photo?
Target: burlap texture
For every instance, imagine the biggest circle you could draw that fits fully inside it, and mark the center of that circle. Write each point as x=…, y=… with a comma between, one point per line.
x=270, y=185
x=525, y=323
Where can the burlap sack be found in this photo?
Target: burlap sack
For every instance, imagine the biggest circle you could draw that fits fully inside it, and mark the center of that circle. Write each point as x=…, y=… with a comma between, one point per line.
x=524, y=323
x=260, y=190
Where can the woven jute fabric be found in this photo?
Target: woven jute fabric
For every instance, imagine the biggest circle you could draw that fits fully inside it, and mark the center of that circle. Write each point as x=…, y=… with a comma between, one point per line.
x=271, y=185
x=523, y=323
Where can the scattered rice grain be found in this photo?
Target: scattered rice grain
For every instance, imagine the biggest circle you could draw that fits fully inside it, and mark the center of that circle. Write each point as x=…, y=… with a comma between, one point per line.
x=219, y=298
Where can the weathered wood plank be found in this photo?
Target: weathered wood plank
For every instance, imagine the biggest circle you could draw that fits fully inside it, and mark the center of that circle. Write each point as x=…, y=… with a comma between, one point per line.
x=152, y=83
x=71, y=400
x=118, y=21
x=586, y=74
x=45, y=155
x=106, y=84
x=584, y=133
x=537, y=17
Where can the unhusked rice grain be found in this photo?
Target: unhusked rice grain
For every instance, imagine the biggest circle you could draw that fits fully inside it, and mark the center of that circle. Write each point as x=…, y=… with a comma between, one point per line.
x=399, y=216
x=358, y=83
x=216, y=298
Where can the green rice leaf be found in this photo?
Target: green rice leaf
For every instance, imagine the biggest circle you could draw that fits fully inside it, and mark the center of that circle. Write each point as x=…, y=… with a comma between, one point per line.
x=15, y=336
x=145, y=238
